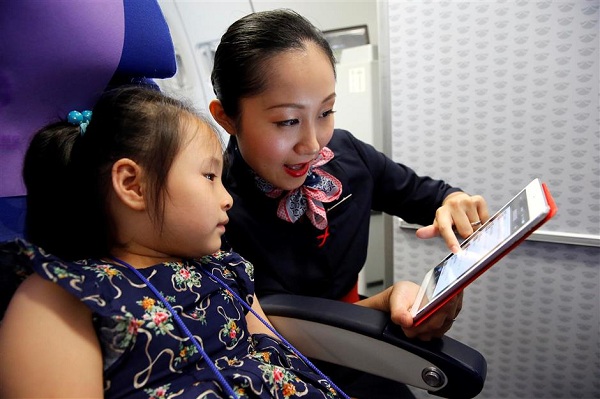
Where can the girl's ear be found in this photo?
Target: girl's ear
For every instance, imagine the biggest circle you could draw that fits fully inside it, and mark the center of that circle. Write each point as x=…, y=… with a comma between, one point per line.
x=217, y=111
x=127, y=183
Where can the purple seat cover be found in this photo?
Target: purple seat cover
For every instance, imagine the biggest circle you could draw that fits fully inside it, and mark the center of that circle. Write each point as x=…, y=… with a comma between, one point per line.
x=55, y=56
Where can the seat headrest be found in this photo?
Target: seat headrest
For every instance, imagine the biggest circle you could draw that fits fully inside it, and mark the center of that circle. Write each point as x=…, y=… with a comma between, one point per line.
x=60, y=55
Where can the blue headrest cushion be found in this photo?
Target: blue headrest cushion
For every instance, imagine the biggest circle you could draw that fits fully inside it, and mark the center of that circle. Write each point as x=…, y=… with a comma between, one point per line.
x=58, y=56
x=147, y=47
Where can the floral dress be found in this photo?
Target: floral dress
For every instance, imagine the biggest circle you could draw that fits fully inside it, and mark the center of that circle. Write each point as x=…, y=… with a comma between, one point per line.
x=145, y=352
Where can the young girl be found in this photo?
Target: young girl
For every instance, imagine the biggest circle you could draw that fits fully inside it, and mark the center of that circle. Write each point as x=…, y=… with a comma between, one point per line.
x=304, y=191
x=148, y=313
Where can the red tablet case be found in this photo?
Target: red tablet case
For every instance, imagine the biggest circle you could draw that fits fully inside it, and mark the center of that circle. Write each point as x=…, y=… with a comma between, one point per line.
x=551, y=213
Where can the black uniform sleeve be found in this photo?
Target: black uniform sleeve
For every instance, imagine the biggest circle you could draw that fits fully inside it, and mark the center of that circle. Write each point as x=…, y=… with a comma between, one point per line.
x=398, y=190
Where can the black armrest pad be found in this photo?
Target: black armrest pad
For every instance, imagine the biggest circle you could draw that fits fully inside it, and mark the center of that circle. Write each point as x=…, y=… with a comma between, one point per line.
x=344, y=315
x=464, y=367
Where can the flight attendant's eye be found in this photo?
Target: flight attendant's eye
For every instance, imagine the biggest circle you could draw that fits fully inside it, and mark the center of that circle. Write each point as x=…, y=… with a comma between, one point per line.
x=289, y=122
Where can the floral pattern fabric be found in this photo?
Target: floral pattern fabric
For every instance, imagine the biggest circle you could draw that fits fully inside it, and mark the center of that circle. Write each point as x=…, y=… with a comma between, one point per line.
x=147, y=355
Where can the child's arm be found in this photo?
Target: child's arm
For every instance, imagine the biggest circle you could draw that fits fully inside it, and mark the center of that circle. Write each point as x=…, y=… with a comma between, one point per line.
x=256, y=326
x=48, y=347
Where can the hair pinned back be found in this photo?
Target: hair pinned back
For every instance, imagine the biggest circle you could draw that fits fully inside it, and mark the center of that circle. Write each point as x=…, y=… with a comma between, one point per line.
x=81, y=119
x=249, y=43
x=68, y=176
x=47, y=177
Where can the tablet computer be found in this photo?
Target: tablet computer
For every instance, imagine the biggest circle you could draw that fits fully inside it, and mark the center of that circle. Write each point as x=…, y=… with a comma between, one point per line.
x=506, y=229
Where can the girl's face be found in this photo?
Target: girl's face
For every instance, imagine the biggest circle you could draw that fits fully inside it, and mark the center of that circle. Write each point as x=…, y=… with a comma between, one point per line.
x=196, y=201
x=283, y=129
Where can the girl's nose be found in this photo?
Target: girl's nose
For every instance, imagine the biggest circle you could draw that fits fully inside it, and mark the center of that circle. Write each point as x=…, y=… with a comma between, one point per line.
x=228, y=200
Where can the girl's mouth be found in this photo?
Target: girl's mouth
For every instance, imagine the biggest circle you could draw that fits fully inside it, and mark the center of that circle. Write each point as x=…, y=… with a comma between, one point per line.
x=297, y=170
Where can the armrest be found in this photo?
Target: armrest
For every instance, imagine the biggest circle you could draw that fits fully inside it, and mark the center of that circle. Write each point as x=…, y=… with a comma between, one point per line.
x=365, y=339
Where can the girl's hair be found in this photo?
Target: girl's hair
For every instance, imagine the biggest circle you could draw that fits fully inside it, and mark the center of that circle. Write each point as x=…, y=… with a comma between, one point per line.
x=249, y=44
x=68, y=175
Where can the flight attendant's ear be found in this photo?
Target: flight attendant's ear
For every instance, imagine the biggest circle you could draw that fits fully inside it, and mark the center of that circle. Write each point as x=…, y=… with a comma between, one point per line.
x=217, y=111
x=128, y=183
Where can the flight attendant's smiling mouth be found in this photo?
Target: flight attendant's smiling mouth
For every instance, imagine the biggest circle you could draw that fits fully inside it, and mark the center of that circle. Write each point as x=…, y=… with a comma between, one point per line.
x=297, y=170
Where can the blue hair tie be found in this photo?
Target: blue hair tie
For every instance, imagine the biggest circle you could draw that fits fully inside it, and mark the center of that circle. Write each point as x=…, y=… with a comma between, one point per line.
x=81, y=119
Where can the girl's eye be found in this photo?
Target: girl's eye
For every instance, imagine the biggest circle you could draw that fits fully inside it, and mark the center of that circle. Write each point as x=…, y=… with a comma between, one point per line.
x=327, y=113
x=289, y=122
x=210, y=176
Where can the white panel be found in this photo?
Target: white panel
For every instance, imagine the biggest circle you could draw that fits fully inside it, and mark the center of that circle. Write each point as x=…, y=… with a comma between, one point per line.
x=488, y=95
x=331, y=14
x=206, y=20
x=357, y=89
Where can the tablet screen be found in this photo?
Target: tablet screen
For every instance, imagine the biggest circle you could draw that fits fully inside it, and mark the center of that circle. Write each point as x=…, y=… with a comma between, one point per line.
x=523, y=214
x=474, y=250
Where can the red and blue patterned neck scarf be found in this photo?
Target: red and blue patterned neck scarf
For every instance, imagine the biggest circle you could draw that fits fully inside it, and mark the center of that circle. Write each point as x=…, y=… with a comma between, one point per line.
x=318, y=188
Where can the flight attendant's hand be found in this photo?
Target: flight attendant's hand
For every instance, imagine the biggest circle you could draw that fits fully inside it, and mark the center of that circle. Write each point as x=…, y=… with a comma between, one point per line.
x=459, y=212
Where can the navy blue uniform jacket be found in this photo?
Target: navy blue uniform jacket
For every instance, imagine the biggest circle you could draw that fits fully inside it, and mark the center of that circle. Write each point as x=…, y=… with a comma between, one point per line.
x=300, y=259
